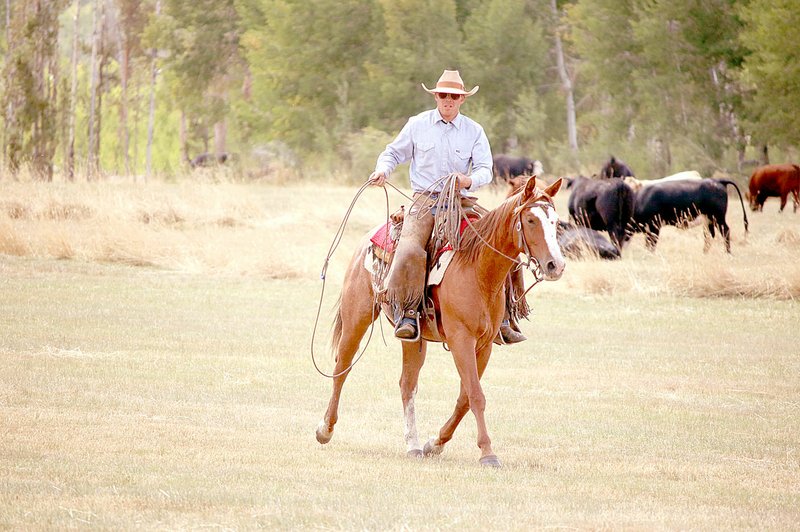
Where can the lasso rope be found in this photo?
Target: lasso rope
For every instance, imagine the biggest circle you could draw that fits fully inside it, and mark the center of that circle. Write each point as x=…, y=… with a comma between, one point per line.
x=447, y=229
x=323, y=276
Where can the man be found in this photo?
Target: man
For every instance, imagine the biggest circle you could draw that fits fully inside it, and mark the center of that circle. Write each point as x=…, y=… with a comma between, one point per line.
x=438, y=142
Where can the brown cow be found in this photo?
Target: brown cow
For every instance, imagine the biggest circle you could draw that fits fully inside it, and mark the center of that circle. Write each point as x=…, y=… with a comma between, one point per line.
x=774, y=180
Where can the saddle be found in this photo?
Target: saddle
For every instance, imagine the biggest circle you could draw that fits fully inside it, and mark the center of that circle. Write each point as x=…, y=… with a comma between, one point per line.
x=383, y=243
x=378, y=260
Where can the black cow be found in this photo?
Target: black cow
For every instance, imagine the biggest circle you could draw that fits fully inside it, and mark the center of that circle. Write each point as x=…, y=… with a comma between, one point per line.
x=602, y=205
x=576, y=242
x=208, y=159
x=615, y=168
x=679, y=202
x=508, y=166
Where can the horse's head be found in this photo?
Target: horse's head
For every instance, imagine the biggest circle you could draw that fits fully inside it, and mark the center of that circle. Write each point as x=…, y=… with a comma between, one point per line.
x=537, y=222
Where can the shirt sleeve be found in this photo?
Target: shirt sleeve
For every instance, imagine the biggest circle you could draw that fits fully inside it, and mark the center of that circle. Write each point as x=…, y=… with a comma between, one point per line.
x=481, y=162
x=397, y=152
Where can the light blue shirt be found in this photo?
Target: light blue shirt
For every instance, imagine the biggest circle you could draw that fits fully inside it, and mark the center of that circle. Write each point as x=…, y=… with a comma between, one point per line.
x=437, y=148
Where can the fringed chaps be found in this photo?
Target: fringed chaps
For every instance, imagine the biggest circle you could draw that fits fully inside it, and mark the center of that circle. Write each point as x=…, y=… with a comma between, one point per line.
x=406, y=283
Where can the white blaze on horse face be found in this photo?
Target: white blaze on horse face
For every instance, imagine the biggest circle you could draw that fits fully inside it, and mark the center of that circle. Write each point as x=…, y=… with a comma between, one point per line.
x=548, y=217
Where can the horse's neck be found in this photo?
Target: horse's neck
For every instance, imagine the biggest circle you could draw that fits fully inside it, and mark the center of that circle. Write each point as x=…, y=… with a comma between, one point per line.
x=493, y=262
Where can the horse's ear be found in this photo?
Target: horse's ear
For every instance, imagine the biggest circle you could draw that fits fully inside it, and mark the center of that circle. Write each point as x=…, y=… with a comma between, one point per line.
x=530, y=186
x=553, y=189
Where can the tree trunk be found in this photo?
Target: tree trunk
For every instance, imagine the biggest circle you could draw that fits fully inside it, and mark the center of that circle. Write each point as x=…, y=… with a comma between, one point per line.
x=124, y=62
x=152, y=118
x=566, y=82
x=8, y=110
x=183, y=139
x=220, y=137
x=91, y=159
x=69, y=159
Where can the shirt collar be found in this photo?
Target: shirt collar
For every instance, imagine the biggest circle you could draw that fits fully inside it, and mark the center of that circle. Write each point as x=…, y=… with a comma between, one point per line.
x=437, y=117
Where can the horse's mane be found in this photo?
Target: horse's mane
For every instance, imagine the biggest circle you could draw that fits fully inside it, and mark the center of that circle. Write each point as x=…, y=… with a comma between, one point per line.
x=474, y=237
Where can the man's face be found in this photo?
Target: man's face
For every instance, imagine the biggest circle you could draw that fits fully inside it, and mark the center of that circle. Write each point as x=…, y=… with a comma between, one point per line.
x=448, y=106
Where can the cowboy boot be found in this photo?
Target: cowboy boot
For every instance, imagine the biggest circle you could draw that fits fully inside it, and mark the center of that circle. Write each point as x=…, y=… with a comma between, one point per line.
x=406, y=324
x=507, y=335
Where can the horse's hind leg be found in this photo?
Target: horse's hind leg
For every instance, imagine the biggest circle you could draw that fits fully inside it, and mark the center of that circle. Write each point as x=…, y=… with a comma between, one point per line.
x=356, y=313
x=413, y=359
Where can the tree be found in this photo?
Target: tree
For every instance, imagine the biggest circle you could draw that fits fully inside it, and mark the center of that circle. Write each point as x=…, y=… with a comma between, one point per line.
x=509, y=69
x=309, y=72
x=772, y=70
x=566, y=79
x=31, y=74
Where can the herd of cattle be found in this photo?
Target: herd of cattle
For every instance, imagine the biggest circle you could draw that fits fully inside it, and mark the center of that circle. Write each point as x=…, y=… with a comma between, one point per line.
x=621, y=205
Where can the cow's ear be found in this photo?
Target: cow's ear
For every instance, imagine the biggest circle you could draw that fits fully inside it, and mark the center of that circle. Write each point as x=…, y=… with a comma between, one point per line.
x=553, y=189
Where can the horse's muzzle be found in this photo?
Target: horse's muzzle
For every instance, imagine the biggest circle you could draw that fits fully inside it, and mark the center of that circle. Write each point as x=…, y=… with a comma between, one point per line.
x=553, y=269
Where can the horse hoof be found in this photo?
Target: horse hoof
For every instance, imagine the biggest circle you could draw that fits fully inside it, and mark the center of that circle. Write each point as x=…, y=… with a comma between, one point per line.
x=431, y=449
x=415, y=453
x=323, y=434
x=491, y=460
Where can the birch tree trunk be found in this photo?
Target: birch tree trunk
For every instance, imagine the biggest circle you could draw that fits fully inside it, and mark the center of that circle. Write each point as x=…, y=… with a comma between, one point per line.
x=124, y=67
x=152, y=118
x=91, y=158
x=69, y=158
x=566, y=82
x=7, y=81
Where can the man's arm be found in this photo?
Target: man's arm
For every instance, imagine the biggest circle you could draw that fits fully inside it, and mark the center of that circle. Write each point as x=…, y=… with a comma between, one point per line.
x=397, y=152
x=481, y=163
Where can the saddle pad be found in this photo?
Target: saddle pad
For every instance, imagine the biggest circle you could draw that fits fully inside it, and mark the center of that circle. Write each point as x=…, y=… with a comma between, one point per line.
x=382, y=238
x=436, y=274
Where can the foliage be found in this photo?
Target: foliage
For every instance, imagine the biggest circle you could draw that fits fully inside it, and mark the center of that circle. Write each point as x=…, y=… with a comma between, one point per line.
x=771, y=72
x=664, y=85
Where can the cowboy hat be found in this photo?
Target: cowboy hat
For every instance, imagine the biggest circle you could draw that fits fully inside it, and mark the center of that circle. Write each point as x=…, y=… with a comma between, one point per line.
x=450, y=82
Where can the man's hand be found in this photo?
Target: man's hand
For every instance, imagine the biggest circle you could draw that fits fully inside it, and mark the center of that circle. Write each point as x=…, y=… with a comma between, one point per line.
x=377, y=179
x=463, y=181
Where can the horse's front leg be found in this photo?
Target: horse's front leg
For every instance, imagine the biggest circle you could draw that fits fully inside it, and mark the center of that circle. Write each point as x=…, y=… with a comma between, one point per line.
x=471, y=366
x=413, y=359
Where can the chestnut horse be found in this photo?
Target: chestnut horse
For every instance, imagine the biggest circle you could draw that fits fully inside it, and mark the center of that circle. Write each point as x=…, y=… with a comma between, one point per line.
x=470, y=303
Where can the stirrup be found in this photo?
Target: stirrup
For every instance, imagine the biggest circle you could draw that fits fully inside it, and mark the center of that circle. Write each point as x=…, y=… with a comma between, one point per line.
x=407, y=326
x=507, y=335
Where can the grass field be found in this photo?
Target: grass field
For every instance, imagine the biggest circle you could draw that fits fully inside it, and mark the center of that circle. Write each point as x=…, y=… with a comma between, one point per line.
x=155, y=354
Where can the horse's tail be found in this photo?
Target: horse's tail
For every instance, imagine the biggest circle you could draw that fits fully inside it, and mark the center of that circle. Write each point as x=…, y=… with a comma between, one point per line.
x=336, y=335
x=744, y=212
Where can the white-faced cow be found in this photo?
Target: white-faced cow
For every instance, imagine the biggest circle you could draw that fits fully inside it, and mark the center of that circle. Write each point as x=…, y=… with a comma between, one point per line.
x=602, y=205
x=637, y=184
x=679, y=202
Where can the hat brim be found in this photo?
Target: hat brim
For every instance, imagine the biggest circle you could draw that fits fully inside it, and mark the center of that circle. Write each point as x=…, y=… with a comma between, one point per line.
x=448, y=90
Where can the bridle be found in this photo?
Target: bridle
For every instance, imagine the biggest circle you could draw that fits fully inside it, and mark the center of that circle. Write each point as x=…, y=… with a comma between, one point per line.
x=531, y=263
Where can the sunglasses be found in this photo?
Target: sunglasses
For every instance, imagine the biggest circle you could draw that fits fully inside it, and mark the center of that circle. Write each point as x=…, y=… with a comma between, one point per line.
x=444, y=95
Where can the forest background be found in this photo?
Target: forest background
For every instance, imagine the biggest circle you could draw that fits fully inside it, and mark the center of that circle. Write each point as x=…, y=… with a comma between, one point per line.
x=302, y=89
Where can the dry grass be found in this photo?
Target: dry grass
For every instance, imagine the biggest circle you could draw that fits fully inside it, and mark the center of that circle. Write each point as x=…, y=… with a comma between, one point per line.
x=283, y=232
x=180, y=395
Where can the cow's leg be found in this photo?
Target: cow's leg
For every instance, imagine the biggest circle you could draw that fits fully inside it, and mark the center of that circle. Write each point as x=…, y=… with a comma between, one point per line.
x=413, y=359
x=356, y=313
x=725, y=232
x=784, y=197
x=708, y=233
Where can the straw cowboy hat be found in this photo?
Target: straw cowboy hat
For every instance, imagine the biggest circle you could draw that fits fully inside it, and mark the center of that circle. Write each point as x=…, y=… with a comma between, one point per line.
x=450, y=82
